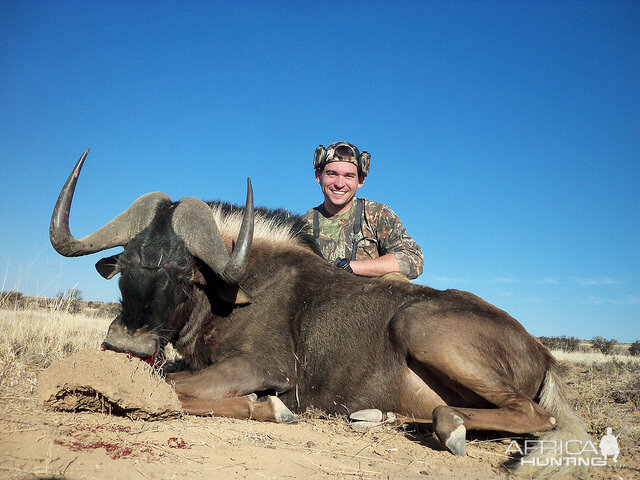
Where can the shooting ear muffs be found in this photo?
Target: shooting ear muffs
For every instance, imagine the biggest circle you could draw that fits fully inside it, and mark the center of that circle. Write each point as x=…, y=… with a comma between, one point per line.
x=363, y=162
x=363, y=159
x=319, y=157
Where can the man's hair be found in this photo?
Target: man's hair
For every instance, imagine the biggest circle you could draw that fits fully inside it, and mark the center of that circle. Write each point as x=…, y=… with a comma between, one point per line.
x=343, y=151
x=361, y=176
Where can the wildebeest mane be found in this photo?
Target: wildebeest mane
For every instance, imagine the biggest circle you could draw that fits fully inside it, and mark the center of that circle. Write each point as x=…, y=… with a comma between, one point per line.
x=276, y=225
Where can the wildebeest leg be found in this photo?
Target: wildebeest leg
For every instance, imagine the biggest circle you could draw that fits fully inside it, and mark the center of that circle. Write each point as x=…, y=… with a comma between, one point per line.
x=173, y=376
x=270, y=409
x=221, y=387
x=517, y=415
x=442, y=348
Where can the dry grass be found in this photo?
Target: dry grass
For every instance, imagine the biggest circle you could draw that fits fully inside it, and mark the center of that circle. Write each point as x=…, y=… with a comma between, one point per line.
x=590, y=358
x=31, y=340
x=605, y=390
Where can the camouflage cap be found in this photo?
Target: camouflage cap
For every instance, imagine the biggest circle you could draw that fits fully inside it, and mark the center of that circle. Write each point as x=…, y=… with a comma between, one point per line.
x=349, y=154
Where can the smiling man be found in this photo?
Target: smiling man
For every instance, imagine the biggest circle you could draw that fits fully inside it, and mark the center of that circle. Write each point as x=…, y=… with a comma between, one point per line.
x=363, y=237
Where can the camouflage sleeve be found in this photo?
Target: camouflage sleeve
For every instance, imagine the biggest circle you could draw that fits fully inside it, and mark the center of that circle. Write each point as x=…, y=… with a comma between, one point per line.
x=308, y=217
x=393, y=238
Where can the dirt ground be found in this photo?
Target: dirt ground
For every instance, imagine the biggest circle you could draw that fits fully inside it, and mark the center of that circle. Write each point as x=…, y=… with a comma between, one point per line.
x=45, y=444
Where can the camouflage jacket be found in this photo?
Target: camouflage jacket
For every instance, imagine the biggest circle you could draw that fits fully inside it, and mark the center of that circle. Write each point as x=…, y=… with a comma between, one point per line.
x=382, y=232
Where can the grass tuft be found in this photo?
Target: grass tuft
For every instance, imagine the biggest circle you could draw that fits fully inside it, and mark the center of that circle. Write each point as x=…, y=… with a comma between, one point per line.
x=605, y=390
x=31, y=340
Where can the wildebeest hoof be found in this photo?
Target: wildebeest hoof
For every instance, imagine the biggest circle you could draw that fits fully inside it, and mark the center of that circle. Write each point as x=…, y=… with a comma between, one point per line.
x=448, y=427
x=368, y=415
x=280, y=411
x=456, y=443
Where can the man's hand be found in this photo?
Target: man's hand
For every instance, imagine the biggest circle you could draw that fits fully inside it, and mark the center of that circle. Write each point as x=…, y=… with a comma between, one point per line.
x=344, y=264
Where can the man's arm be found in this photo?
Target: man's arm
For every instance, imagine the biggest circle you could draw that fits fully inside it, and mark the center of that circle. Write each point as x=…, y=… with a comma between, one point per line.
x=375, y=267
x=394, y=240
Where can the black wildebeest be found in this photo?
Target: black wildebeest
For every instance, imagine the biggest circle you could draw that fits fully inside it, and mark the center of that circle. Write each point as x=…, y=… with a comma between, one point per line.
x=266, y=313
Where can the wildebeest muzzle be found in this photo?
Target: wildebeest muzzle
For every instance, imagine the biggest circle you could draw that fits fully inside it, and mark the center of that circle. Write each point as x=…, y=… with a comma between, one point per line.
x=139, y=343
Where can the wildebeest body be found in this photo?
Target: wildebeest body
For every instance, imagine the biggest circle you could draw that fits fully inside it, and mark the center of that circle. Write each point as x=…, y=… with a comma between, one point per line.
x=262, y=312
x=345, y=350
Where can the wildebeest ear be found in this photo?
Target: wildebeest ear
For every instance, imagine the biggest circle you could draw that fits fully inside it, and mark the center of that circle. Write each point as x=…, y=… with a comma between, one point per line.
x=233, y=294
x=108, y=266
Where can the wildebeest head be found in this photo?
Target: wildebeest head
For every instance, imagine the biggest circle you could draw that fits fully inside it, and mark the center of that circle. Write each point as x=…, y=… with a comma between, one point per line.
x=165, y=246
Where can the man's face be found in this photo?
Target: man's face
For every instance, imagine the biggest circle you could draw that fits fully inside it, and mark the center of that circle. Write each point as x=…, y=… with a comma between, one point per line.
x=339, y=182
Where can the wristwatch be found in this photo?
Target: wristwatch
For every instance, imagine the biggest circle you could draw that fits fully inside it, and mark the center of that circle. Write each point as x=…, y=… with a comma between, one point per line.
x=344, y=264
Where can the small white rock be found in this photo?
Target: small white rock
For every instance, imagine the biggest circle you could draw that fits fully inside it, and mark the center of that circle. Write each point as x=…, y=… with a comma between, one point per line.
x=367, y=415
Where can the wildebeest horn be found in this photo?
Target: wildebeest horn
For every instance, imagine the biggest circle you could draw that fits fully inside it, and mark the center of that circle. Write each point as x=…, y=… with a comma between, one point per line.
x=238, y=261
x=116, y=233
x=193, y=222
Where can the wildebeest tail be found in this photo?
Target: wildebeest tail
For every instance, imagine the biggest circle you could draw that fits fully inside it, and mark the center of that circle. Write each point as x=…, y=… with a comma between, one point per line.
x=570, y=432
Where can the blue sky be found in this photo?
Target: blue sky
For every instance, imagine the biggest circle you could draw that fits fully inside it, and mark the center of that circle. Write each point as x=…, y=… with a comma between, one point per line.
x=504, y=134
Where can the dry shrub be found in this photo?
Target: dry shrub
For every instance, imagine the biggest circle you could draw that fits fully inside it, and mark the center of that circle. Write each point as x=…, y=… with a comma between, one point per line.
x=604, y=345
x=607, y=394
x=68, y=302
x=11, y=299
x=564, y=343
